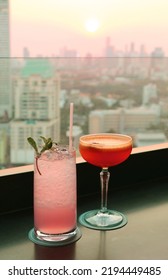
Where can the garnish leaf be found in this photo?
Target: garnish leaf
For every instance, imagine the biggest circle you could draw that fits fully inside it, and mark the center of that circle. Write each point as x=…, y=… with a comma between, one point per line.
x=47, y=146
x=44, y=139
x=33, y=144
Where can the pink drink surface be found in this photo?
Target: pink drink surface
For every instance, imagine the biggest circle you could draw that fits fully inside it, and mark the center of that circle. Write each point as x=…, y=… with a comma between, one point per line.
x=55, y=194
x=105, y=150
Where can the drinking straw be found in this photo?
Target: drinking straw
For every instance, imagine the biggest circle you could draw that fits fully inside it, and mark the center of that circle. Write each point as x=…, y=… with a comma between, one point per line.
x=70, y=126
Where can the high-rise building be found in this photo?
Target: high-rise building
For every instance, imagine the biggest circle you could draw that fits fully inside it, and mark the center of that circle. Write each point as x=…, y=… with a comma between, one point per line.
x=37, y=110
x=5, y=84
x=5, y=79
x=26, y=53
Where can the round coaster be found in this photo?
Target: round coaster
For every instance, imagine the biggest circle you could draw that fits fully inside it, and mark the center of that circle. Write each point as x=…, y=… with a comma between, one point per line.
x=111, y=227
x=35, y=240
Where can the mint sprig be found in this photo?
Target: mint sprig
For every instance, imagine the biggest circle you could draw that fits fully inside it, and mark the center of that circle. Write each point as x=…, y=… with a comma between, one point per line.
x=32, y=142
x=48, y=143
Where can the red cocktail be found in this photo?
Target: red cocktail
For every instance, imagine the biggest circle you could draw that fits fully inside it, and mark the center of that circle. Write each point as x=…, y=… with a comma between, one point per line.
x=104, y=150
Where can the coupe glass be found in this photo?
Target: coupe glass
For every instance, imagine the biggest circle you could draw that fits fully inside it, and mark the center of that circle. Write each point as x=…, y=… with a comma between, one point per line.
x=104, y=150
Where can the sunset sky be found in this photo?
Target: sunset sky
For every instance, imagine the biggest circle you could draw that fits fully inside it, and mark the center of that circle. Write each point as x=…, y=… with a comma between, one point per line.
x=46, y=26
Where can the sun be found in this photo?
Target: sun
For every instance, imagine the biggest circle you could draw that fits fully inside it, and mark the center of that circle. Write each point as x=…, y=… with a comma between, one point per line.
x=92, y=25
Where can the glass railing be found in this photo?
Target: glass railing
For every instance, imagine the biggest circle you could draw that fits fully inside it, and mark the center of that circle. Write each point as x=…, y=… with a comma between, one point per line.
x=121, y=95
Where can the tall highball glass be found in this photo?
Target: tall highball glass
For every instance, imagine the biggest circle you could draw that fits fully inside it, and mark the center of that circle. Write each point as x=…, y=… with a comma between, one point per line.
x=55, y=195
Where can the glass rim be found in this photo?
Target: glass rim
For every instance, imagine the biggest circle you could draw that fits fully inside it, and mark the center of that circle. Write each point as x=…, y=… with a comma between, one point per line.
x=125, y=136
x=61, y=147
x=107, y=133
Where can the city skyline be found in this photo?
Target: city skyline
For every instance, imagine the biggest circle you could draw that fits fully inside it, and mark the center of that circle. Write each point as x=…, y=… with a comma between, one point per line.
x=91, y=84
x=46, y=27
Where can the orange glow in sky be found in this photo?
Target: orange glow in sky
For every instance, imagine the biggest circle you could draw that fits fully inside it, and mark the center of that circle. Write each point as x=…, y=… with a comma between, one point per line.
x=46, y=26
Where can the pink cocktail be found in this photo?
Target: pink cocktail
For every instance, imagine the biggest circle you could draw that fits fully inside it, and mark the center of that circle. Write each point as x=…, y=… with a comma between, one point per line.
x=55, y=194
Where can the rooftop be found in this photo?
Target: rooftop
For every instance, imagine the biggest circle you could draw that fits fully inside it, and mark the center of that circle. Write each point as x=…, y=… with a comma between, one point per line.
x=37, y=66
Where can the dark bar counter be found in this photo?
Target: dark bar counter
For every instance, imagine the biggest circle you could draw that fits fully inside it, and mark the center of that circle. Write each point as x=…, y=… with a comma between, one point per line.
x=138, y=188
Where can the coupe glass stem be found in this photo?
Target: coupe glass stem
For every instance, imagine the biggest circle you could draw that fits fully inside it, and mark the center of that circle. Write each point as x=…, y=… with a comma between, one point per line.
x=104, y=179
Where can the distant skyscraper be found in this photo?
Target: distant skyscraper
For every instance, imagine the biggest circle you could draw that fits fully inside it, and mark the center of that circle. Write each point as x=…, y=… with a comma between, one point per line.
x=158, y=53
x=5, y=81
x=142, y=51
x=26, y=53
x=132, y=48
x=5, y=84
x=109, y=50
x=37, y=110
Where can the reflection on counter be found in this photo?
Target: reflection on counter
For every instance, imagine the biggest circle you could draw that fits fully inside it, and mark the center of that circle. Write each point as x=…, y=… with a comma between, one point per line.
x=54, y=253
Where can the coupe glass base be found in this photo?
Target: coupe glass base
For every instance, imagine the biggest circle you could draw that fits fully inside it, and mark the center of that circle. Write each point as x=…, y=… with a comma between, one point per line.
x=95, y=219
